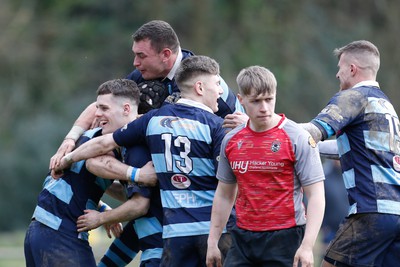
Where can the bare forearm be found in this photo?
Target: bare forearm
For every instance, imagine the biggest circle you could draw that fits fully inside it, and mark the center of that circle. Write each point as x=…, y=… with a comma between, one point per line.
x=95, y=147
x=315, y=213
x=87, y=117
x=107, y=167
x=83, y=123
x=132, y=209
x=222, y=206
x=313, y=130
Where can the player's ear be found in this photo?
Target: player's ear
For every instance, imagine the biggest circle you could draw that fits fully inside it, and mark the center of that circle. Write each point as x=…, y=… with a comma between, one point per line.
x=166, y=53
x=127, y=108
x=240, y=98
x=198, y=86
x=353, y=69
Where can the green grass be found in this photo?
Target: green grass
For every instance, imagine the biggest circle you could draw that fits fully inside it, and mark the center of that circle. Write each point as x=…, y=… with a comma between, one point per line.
x=12, y=248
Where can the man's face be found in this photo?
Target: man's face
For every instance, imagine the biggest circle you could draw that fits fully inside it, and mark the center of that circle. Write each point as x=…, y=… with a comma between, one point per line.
x=260, y=109
x=110, y=113
x=344, y=73
x=148, y=61
x=211, y=85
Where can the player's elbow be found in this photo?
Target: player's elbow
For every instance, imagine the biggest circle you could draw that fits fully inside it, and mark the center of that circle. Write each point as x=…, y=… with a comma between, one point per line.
x=140, y=205
x=314, y=131
x=106, y=143
x=144, y=208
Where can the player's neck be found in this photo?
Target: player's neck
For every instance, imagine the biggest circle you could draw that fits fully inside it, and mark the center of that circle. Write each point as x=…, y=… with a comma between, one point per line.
x=262, y=127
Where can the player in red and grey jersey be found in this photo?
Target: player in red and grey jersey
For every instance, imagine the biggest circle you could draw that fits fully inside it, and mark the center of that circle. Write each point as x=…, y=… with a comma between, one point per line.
x=264, y=167
x=269, y=174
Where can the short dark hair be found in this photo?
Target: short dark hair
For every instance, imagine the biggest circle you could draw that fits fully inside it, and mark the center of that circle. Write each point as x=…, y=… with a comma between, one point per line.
x=160, y=34
x=195, y=66
x=120, y=88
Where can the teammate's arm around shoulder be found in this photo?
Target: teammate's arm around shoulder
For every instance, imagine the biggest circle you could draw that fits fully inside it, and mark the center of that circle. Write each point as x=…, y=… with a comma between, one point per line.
x=235, y=119
x=85, y=121
x=92, y=148
x=314, y=131
x=108, y=167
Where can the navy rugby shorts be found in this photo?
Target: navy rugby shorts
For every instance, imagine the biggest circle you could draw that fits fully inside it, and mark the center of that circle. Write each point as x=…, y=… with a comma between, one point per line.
x=370, y=239
x=45, y=246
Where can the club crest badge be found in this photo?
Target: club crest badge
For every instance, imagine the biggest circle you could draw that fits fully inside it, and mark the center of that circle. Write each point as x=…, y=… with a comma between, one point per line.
x=276, y=145
x=312, y=142
x=168, y=121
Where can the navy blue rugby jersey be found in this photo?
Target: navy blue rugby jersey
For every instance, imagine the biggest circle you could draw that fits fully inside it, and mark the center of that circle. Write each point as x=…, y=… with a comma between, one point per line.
x=62, y=201
x=148, y=227
x=227, y=103
x=184, y=141
x=368, y=138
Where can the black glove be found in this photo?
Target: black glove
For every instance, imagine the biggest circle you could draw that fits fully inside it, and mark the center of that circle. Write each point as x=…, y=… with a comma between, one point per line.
x=152, y=95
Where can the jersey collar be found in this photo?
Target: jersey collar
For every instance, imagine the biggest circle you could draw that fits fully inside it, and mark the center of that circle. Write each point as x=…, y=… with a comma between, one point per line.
x=178, y=60
x=192, y=103
x=367, y=83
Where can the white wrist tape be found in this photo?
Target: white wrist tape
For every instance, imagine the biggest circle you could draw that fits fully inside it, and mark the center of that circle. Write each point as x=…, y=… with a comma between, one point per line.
x=104, y=207
x=137, y=175
x=68, y=158
x=129, y=173
x=75, y=133
x=132, y=174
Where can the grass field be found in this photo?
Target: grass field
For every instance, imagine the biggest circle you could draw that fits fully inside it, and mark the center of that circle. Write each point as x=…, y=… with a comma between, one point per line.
x=12, y=248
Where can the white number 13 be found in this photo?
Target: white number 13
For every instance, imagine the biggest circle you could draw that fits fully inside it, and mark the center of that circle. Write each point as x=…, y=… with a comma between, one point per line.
x=184, y=164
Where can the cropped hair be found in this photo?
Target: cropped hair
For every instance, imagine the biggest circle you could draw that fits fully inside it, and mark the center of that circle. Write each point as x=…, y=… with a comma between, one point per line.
x=194, y=66
x=365, y=53
x=123, y=88
x=256, y=80
x=160, y=34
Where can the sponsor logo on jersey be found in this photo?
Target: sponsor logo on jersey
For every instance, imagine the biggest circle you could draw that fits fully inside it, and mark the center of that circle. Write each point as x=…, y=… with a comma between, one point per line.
x=312, y=142
x=240, y=166
x=167, y=121
x=396, y=163
x=188, y=199
x=254, y=165
x=180, y=181
x=276, y=145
